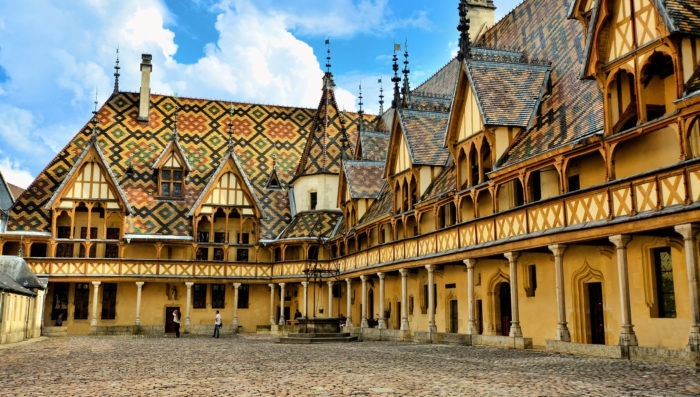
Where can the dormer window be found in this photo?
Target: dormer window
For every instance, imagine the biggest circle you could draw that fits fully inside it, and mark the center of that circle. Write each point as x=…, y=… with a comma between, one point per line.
x=171, y=182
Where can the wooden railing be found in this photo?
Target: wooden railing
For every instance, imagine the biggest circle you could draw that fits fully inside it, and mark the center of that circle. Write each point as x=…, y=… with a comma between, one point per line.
x=674, y=186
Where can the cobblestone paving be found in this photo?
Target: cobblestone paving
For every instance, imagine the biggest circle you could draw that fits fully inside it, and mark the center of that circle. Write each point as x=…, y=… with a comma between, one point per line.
x=251, y=365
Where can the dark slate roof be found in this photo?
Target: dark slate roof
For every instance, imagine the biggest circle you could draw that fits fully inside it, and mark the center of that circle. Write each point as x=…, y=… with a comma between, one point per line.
x=684, y=14
x=259, y=132
x=15, y=276
x=5, y=195
x=380, y=208
x=442, y=83
x=574, y=108
x=508, y=90
x=364, y=178
x=443, y=184
x=312, y=224
x=374, y=145
x=425, y=136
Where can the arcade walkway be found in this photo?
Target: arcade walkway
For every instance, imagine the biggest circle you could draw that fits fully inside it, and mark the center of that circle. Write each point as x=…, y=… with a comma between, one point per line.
x=251, y=365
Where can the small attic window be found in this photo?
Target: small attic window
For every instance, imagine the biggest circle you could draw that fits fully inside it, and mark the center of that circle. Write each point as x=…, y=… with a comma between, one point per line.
x=171, y=182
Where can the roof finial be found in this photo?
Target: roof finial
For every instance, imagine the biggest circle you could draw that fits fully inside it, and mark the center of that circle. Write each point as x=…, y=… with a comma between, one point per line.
x=361, y=112
x=381, y=97
x=465, y=51
x=328, y=56
x=406, y=90
x=396, y=79
x=93, y=138
x=230, y=128
x=116, y=74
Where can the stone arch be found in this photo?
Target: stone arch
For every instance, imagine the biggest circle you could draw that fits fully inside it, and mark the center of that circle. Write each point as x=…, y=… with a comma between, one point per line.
x=585, y=274
x=493, y=300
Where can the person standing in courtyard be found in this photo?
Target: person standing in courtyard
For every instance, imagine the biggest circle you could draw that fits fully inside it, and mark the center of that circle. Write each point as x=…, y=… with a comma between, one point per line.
x=176, y=322
x=217, y=324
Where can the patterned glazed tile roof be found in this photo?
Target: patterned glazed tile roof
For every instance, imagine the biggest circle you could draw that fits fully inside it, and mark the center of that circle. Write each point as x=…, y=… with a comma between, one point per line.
x=443, y=184
x=442, y=83
x=430, y=104
x=323, y=150
x=374, y=145
x=693, y=83
x=380, y=208
x=312, y=224
x=425, y=135
x=508, y=92
x=364, y=178
x=259, y=132
x=574, y=108
x=685, y=15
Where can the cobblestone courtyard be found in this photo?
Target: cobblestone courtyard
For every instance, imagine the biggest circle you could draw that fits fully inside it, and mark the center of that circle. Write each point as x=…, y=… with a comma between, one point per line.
x=257, y=366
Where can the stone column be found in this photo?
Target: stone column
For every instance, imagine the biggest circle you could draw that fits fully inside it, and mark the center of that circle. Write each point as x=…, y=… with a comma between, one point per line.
x=627, y=335
x=563, y=333
x=515, y=330
x=188, y=305
x=348, y=303
x=306, y=297
x=382, y=319
x=272, y=303
x=281, y=322
x=689, y=231
x=404, y=299
x=95, y=295
x=236, y=286
x=431, y=299
x=139, y=287
x=363, y=309
x=471, y=317
x=330, y=298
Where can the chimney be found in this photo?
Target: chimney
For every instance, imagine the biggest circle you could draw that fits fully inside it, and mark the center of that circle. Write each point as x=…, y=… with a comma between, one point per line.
x=145, y=97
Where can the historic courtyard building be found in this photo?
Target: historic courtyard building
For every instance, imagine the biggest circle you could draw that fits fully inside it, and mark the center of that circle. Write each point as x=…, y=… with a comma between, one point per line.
x=542, y=188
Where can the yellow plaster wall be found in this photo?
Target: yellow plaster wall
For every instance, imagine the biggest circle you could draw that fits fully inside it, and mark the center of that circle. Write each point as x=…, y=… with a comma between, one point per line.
x=538, y=313
x=648, y=152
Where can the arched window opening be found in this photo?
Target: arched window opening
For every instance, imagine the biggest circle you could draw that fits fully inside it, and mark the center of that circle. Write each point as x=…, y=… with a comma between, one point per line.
x=694, y=138
x=463, y=165
x=658, y=85
x=474, y=166
x=622, y=102
x=486, y=162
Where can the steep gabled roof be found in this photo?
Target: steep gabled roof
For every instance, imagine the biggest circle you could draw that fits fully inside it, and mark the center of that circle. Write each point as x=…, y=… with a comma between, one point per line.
x=92, y=151
x=693, y=83
x=16, y=277
x=380, y=208
x=325, y=144
x=6, y=198
x=364, y=178
x=174, y=149
x=507, y=89
x=237, y=169
x=681, y=16
x=442, y=83
x=425, y=136
x=574, y=108
x=373, y=146
x=443, y=184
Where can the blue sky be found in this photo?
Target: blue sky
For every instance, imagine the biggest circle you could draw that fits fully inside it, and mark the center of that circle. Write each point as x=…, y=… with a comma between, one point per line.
x=54, y=56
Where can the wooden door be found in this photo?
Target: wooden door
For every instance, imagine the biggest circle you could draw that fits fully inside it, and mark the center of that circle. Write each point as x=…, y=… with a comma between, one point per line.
x=169, y=324
x=504, y=300
x=454, y=317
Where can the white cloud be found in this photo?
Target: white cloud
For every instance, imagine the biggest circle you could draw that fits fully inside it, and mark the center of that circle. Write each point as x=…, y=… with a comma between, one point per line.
x=14, y=174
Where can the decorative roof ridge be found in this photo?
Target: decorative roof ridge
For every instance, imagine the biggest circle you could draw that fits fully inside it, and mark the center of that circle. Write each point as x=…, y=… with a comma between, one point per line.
x=432, y=97
x=413, y=112
x=374, y=132
x=492, y=55
x=359, y=163
x=515, y=65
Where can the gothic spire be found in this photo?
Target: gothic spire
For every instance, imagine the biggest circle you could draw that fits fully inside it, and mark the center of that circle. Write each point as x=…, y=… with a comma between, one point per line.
x=361, y=112
x=396, y=79
x=116, y=74
x=463, y=28
x=381, y=97
x=328, y=56
x=93, y=138
x=406, y=90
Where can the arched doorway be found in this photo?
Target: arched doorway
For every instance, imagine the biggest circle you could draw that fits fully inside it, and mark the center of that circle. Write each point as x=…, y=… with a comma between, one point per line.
x=504, y=308
x=370, y=306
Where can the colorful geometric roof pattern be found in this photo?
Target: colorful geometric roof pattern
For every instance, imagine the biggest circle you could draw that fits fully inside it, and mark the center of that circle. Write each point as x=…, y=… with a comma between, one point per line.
x=329, y=133
x=685, y=15
x=380, y=208
x=508, y=93
x=574, y=108
x=425, y=136
x=260, y=131
x=373, y=146
x=442, y=83
x=364, y=178
x=445, y=183
x=312, y=224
